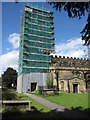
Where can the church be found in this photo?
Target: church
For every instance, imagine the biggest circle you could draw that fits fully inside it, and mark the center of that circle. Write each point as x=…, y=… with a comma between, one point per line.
x=70, y=75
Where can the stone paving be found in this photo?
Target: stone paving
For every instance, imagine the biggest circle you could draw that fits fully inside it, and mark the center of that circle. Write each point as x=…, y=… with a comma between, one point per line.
x=67, y=113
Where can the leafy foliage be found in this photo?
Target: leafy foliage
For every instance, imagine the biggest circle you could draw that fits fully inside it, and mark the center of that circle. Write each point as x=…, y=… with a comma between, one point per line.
x=0, y=81
x=9, y=77
x=49, y=81
x=9, y=95
x=76, y=9
x=86, y=32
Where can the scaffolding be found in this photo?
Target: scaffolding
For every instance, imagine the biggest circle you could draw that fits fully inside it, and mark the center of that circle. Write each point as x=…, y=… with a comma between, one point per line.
x=36, y=40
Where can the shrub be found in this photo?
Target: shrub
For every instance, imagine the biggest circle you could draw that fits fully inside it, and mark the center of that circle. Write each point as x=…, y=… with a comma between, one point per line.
x=49, y=81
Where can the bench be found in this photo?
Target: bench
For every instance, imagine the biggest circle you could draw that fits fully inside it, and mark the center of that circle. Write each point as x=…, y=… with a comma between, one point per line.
x=12, y=103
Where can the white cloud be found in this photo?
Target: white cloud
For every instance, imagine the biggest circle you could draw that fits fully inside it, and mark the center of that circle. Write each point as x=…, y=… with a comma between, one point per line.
x=9, y=60
x=73, y=48
x=14, y=40
x=7, y=49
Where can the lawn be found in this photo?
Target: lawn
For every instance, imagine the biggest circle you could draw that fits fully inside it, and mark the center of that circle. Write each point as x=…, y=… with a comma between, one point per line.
x=37, y=110
x=13, y=95
x=69, y=100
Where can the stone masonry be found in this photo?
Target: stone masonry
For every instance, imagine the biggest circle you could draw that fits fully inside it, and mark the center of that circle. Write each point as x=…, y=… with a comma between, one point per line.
x=70, y=74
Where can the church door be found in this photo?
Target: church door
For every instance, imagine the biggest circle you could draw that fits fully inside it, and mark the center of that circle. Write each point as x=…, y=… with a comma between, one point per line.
x=75, y=88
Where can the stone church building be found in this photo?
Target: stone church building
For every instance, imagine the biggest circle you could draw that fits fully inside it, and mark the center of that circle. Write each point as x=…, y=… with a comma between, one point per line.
x=70, y=75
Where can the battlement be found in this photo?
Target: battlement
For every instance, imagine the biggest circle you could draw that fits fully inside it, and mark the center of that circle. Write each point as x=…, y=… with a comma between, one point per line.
x=63, y=61
x=72, y=58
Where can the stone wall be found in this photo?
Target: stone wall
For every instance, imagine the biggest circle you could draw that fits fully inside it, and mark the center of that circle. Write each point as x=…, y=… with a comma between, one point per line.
x=72, y=73
x=70, y=62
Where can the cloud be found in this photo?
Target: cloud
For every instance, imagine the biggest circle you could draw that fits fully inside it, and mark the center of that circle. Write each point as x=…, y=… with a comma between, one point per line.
x=9, y=60
x=7, y=49
x=14, y=40
x=73, y=48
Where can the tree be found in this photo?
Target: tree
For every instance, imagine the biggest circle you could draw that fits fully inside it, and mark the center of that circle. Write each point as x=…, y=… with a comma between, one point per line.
x=76, y=9
x=86, y=32
x=49, y=81
x=0, y=81
x=9, y=77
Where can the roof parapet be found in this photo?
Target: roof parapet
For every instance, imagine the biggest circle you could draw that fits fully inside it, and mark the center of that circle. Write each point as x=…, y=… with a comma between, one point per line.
x=69, y=58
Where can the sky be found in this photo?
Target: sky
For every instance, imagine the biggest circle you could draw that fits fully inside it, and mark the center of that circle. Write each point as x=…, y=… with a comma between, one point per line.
x=67, y=34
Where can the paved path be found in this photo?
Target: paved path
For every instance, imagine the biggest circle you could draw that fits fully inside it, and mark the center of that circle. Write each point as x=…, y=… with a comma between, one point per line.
x=57, y=108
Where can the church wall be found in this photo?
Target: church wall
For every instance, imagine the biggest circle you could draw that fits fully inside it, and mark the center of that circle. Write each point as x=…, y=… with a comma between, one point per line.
x=71, y=76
